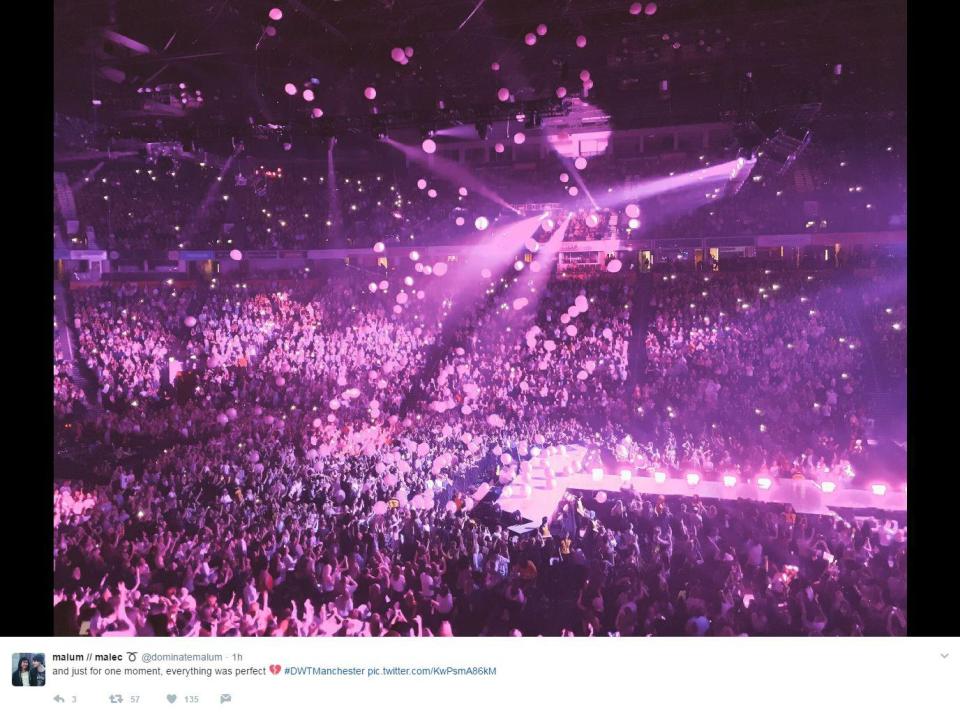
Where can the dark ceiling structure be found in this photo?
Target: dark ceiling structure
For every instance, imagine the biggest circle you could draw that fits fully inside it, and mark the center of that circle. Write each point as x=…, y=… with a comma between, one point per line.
x=213, y=70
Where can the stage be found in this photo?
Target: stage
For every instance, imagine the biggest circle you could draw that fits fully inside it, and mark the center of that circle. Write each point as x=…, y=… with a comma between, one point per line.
x=804, y=495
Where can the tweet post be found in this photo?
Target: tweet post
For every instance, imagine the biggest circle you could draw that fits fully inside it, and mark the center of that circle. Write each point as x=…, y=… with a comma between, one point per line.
x=245, y=677
x=478, y=356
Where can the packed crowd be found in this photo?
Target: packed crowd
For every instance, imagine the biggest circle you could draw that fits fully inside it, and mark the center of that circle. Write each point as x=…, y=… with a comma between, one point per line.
x=588, y=226
x=885, y=316
x=758, y=372
x=66, y=393
x=124, y=338
x=171, y=203
x=890, y=326
x=653, y=565
x=325, y=473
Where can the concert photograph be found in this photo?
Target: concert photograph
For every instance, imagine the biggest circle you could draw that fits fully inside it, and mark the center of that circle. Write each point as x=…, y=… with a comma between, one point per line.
x=476, y=318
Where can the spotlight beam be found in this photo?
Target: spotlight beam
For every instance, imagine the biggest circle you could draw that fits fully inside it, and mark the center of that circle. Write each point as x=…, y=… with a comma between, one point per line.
x=472, y=13
x=87, y=178
x=495, y=253
x=575, y=173
x=333, y=198
x=450, y=171
x=211, y=192
x=688, y=180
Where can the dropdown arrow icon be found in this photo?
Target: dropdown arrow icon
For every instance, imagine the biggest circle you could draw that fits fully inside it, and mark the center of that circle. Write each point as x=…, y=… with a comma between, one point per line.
x=944, y=655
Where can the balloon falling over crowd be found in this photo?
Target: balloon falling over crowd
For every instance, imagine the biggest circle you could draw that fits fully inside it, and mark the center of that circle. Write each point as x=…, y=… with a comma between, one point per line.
x=327, y=468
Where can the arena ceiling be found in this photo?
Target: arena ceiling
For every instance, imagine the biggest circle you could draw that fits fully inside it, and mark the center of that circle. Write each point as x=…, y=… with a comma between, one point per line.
x=717, y=58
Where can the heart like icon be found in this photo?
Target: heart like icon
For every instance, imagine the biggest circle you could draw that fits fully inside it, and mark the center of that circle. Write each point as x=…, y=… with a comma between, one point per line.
x=171, y=698
x=275, y=669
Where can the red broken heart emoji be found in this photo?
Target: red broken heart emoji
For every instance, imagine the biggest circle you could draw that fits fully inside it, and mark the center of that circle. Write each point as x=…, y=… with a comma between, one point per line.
x=275, y=669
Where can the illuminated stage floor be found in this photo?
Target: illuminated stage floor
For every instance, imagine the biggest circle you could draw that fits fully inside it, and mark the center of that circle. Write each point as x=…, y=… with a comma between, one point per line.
x=805, y=496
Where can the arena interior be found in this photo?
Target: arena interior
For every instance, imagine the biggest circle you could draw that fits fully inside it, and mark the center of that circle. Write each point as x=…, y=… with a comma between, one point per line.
x=421, y=318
